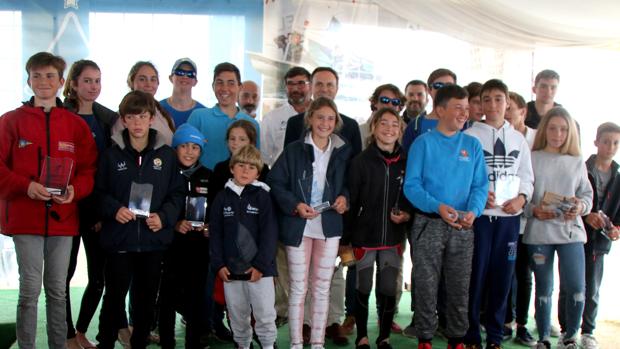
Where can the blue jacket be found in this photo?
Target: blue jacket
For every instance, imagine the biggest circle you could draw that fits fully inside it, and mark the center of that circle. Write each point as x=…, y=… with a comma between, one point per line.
x=288, y=189
x=252, y=210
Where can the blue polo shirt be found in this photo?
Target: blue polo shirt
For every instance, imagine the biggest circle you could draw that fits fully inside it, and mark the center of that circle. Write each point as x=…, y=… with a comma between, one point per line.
x=213, y=124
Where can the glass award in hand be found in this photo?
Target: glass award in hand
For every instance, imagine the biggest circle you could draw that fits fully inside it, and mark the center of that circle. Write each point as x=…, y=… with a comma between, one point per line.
x=608, y=226
x=140, y=199
x=55, y=174
x=196, y=211
x=506, y=189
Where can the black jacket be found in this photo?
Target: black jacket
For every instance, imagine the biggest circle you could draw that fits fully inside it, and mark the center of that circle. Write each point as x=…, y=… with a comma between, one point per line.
x=247, y=216
x=375, y=185
x=290, y=180
x=118, y=168
x=611, y=206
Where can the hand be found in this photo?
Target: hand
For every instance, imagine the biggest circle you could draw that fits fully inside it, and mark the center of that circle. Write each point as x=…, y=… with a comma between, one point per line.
x=305, y=211
x=66, y=198
x=490, y=200
x=340, y=205
x=614, y=233
x=36, y=191
x=543, y=214
x=123, y=215
x=154, y=222
x=468, y=220
x=97, y=227
x=223, y=274
x=256, y=274
x=449, y=215
x=183, y=226
x=595, y=221
x=401, y=217
x=514, y=205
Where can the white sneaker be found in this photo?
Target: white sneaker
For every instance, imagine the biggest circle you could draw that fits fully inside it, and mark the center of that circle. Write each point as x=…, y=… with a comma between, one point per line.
x=554, y=331
x=588, y=341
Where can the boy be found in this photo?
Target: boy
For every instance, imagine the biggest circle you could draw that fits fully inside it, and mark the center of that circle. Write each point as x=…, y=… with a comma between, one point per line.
x=603, y=175
x=244, y=234
x=511, y=179
x=186, y=265
x=184, y=77
x=545, y=87
x=446, y=181
x=135, y=246
x=43, y=224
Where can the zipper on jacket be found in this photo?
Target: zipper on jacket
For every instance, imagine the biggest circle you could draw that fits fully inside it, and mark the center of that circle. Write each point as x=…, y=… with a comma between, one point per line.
x=385, y=203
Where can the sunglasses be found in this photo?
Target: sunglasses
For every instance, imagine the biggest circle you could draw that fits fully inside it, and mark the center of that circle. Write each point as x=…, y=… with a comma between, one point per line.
x=189, y=73
x=438, y=85
x=385, y=100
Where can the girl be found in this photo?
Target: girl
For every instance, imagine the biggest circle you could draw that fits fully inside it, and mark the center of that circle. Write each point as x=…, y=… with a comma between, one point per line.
x=81, y=90
x=375, y=222
x=559, y=170
x=143, y=76
x=307, y=184
x=515, y=115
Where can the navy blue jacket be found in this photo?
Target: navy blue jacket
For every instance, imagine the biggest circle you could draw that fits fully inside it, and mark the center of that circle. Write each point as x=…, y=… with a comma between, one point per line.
x=118, y=168
x=288, y=189
x=254, y=210
x=597, y=243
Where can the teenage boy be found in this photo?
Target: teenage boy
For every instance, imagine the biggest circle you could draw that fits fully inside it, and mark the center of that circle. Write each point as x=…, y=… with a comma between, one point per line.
x=426, y=122
x=43, y=224
x=213, y=122
x=446, y=208
x=605, y=180
x=545, y=87
x=135, y=245
x=244, y=233
x=184, y=77
x=511, y=183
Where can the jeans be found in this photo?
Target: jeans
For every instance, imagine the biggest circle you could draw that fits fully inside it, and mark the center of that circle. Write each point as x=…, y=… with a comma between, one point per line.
x=572, y=277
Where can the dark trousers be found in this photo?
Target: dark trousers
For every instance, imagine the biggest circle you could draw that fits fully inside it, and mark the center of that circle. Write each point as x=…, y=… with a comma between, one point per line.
x=142, y=270
x=518, y=305
x=495, y=254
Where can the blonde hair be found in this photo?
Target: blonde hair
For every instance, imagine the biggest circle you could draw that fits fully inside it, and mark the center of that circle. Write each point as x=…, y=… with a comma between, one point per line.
x=571, y=145
x=318, y=104
x=376, y=118
x=248, y=154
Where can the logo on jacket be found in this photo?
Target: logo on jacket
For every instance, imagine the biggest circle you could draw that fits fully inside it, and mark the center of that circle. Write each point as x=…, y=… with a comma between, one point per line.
x=228, y=212
x=499, y=158
x=66, y=146
x=23, y=143
x=157, y=164
x=251, y=209
x=464, y=155
x=121, y=166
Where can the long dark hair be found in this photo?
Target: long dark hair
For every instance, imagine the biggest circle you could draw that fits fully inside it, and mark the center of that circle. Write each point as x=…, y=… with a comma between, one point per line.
x=71, y=97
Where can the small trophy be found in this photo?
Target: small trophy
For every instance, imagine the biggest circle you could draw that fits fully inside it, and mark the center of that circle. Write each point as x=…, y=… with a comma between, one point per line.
x=396, y=208
x=506, y=189
x=196, y=210
x=55, y=174
x=608, y=226
x=140, y=199
x=322, y=207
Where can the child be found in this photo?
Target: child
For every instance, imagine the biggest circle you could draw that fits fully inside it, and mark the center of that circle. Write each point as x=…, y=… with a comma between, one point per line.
x=507, y=156
x=135, y=246
x=376, y=220
x=446, y=181
x=244, y=234
x=307, y=183
x=515, y=115
x=186, y=265
x=559, y=170
x=42, y=224
x=603, y=176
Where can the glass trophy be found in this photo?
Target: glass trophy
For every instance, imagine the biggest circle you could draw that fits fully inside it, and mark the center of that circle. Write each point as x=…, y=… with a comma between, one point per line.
x=55, y=174
x=506, y=189
x=608, y=225
x=140, y=199
x=196, y=210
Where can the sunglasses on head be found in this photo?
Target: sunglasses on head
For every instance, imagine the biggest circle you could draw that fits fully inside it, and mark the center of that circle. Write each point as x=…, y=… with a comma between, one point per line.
x=438, y=85
x=189, y=73
x=385, y=100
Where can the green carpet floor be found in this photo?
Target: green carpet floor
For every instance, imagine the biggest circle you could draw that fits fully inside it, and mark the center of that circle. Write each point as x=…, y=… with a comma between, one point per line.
x=8, y=302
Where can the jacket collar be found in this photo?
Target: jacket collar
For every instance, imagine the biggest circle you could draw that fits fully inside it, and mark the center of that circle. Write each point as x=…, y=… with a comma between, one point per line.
x=237, y=189
x=591, y=162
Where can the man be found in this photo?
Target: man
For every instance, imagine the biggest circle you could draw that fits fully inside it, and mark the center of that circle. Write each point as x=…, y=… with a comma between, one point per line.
x=545, y=87
x=416, y=93
x=273, y=124
x=249, y=97
x=180, y=105
x=423, y=122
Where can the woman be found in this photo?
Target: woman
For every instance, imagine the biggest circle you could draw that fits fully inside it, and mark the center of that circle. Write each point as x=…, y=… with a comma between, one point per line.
x=375, y=223
x=308, y=185
x=554, y=224
x=82, y=88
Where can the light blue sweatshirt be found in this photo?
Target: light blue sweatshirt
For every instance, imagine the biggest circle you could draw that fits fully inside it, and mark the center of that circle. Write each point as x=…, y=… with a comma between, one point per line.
x=446, y=170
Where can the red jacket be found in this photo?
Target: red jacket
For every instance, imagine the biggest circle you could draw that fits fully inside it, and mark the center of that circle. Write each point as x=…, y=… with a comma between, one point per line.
x=25, y=134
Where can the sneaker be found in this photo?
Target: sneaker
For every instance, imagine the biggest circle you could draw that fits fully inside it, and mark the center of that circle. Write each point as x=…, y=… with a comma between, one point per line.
x=348, y=324
x=493, y=346
x=570, y=344
x=425, y=346
x=543, y=345
x=458, y=346
x=588, y=341
x=507, y=332
x=554, y=331
x=396, y=328
x=124, y=337
x=384, y=345
x=524, y=337
x=334, y=331
x=409, y=331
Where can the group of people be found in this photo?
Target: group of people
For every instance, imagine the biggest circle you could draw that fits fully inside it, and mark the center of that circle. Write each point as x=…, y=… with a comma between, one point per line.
x=205, y=212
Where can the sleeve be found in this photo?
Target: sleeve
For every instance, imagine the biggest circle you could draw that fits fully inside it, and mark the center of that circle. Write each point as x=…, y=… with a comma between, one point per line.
x=173, y=202
x=413, y=188
x=268, y=235
x=11, y=183
x=108, y=204
x=354, y=182
x=525, y=171
x=216, y=234
x=480, y=182
x=279, y=179
x=584, y=190
x=86, y=160
x=292, y=131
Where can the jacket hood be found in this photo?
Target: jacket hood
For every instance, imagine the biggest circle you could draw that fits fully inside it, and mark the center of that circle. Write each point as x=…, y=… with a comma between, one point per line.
x=591, y=162
x=156, y=140
x=239, y=189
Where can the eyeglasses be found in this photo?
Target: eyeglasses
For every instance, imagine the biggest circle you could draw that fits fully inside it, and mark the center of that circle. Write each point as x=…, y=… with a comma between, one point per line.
x=300, y=83
x=385, y=100
x=189, y=73
x=438, y=85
